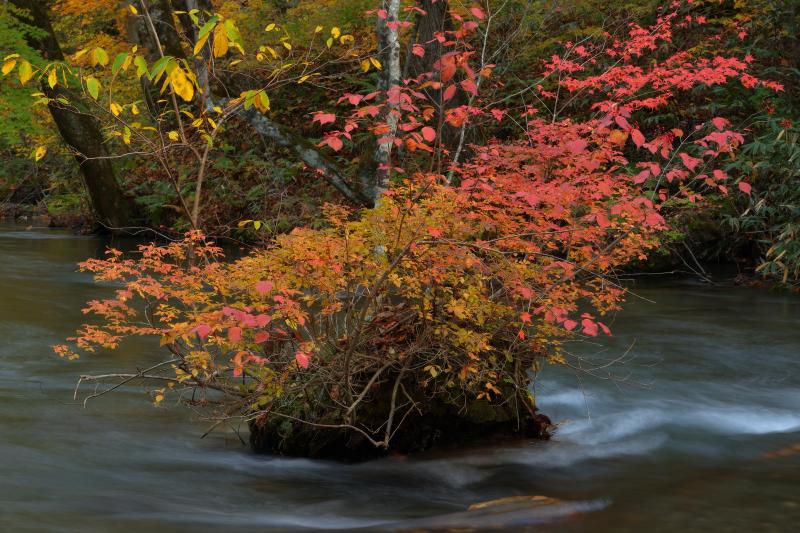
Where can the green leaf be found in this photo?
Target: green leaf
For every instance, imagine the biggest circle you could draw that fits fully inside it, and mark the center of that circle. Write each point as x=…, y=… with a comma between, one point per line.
x=93, y=87
x=141, y=66
x=248, y=98
x=159, y=67
x=208, y=26
x=232, y=31
x=118, y=61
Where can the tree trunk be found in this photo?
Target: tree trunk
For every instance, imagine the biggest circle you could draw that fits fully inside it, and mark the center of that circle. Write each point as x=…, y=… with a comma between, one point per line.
x=306, y=151
x=167, y=41
x=80, y=130
x=374, y=174
x=191, y=34
x=161, y=13
x=436, y=20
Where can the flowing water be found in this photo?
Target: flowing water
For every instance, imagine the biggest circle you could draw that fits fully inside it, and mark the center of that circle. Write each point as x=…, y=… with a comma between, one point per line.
x=677, y=434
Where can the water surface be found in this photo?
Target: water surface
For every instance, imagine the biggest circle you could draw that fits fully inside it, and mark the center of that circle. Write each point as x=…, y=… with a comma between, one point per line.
x=677, y=434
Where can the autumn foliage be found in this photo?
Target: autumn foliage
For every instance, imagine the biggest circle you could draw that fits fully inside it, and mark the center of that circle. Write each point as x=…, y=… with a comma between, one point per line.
x=446, y=292
x=467, y=275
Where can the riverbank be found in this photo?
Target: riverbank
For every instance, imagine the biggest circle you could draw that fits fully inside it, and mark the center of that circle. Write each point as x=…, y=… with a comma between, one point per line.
x=675, y=259
x=38, y=215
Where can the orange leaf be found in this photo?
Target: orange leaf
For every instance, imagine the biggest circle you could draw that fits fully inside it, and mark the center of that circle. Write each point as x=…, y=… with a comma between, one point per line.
x=428, y=133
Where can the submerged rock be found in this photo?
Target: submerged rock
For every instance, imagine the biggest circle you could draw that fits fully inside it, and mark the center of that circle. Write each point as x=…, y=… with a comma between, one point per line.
x=514, y=513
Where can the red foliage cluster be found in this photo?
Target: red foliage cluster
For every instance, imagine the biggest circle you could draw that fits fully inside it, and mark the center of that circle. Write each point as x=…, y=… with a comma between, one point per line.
x=456, y=283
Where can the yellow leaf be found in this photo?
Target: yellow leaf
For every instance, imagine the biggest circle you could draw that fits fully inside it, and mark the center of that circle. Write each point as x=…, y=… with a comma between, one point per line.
x=220, y=42
x=365, y=65
x=8, y=66
x=329, y=42
x=173, y=135
x=52, y=78
x=181, y=84
x=270, y=27
x=318, y=29
x=491, y=387
x=133, y=9
x=25, y=72
x=134, y=109
x=116, y=109
x=344, y=39
x=287, y=45
x=40, y=153
x=201, y=42
x=261, y=101
x=375, y=63
x=126, y=135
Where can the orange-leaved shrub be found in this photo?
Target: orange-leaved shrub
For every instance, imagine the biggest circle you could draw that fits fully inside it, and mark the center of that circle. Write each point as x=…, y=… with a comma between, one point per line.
x=425, y=317
x=442, y=299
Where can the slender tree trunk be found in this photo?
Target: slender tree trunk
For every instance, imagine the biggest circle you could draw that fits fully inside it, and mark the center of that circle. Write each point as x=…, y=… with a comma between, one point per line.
x=280, y=134
x=138, y=29
x=80, y=130
x=307, y=152
x=374, y=174
x=191, y=34
x=161, y=13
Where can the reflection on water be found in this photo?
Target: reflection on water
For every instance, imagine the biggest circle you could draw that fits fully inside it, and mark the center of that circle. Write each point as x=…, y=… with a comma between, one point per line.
x=674, y=436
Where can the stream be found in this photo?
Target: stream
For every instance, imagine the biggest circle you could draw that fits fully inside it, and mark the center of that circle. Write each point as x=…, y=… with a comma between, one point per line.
x=691, y=428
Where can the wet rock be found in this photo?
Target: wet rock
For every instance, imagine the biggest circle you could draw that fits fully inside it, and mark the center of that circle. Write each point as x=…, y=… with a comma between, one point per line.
x=515, y=513
x=439, y=425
